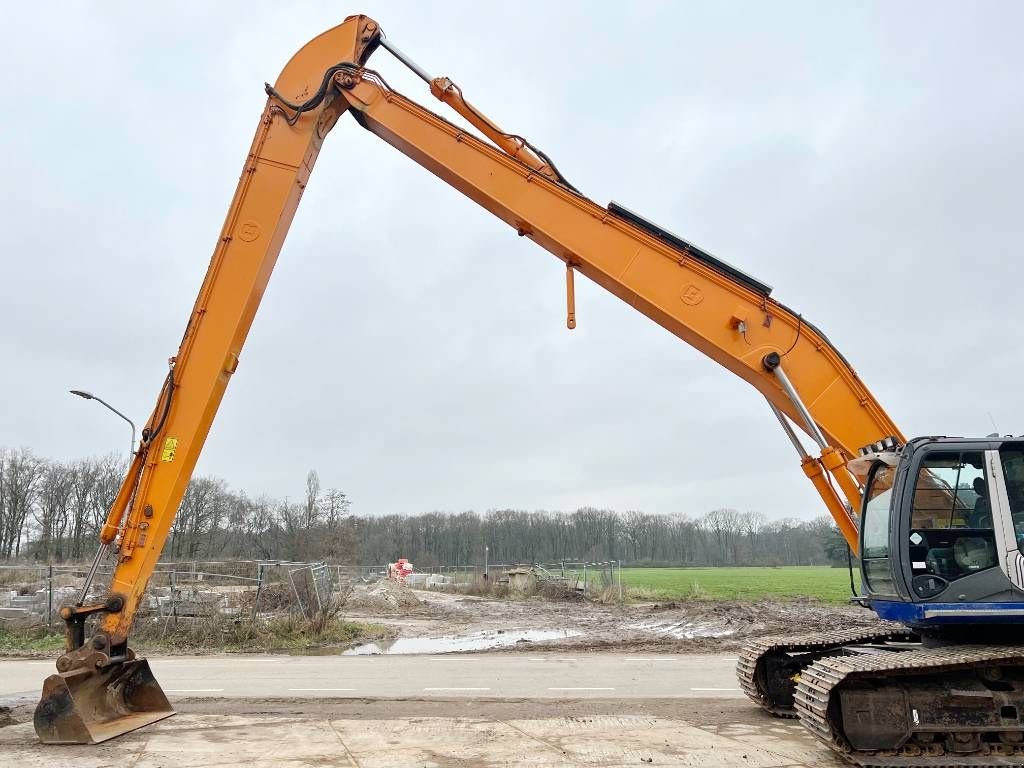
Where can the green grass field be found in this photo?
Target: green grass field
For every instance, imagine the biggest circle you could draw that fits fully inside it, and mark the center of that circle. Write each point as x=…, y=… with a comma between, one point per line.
x=832, y=584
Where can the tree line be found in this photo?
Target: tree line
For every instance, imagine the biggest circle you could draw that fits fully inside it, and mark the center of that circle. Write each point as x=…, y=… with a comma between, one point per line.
x=51, y=511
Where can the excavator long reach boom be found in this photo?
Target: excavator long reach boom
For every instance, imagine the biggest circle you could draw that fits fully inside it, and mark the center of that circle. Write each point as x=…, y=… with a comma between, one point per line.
x=101, y=690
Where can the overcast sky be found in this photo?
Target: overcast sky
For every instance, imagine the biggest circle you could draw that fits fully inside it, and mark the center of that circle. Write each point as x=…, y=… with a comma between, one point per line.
x=866, y=160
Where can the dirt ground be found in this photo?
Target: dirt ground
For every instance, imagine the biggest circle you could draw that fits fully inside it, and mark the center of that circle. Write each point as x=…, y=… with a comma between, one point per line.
x=679, y=626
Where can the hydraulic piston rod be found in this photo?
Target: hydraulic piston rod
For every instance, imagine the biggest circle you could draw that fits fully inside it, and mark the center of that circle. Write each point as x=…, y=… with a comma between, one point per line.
x=816, y=473
x=831, y=458
x=788, y=429
x=774, y=363
x=397, y=53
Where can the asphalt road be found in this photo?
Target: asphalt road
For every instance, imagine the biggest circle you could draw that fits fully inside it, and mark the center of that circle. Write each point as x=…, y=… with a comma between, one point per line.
x=485, y=675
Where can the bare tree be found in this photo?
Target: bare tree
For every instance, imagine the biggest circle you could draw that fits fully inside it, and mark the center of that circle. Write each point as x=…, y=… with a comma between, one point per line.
x=312, y=497
x=335, y=505
x=22, y=474
x=52, y=510
x=636, y=524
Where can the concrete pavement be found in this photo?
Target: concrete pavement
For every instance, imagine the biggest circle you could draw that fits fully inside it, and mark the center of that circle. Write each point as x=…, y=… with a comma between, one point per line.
x=463, y=733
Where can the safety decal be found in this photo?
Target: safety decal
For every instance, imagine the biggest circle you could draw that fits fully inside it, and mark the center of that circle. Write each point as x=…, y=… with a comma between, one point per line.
x=170, y=448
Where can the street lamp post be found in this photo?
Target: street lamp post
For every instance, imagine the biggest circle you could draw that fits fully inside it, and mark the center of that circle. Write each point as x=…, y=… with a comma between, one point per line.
x=109, y=407
x=102, y=551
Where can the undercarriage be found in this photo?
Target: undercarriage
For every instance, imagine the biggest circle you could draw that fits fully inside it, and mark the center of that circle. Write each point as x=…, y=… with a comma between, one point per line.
x=885, y=700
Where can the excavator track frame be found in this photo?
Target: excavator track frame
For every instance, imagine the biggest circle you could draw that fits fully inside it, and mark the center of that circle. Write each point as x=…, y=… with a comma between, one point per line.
x=769, y=664
x=957, y=730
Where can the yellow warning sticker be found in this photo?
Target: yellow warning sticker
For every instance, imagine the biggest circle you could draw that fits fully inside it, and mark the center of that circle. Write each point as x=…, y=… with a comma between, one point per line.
x=170, y=447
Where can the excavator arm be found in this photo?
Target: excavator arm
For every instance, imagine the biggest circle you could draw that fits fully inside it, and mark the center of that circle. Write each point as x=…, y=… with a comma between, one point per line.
x=101, y=689
x=727, y=315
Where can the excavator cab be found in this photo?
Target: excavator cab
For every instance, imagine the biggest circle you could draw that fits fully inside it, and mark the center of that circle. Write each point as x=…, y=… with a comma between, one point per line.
x=941, y=529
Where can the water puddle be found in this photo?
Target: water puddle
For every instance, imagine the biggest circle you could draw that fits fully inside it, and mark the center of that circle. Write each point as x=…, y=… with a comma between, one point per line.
x=682, y=630
x=478, y=641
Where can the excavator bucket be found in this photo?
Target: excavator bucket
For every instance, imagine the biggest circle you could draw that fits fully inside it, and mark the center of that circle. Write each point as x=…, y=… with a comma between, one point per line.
x=89, y=706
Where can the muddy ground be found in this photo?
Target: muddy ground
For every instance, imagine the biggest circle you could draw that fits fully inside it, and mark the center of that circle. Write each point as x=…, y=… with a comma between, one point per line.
x=465, y=623
x=430, y=621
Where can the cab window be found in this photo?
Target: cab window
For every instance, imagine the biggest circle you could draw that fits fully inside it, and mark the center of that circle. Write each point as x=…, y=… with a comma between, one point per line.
x=875, y=549
x=951, y=533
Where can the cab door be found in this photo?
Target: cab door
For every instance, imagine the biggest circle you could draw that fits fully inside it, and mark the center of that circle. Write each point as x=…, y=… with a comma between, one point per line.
x=1007, y=470
x=950, y=548
x=876, y=531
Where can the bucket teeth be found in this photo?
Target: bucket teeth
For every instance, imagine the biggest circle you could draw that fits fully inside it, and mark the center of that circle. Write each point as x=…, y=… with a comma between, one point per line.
x=86, y=706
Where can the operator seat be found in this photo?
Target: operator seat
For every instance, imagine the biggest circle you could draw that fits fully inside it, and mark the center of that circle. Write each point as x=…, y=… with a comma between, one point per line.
x=967, y=553
x=981, y=517
x=973, y=553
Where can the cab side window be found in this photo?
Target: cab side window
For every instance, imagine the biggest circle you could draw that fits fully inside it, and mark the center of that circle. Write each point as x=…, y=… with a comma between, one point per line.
x=875, y=550
x=1012, y=458
x=951, y=533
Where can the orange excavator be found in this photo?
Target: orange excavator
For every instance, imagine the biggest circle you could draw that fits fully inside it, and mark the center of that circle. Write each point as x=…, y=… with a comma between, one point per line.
x=934, y=519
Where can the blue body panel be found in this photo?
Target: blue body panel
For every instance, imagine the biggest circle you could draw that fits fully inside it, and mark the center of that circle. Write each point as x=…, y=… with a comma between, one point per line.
x=920, y=615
